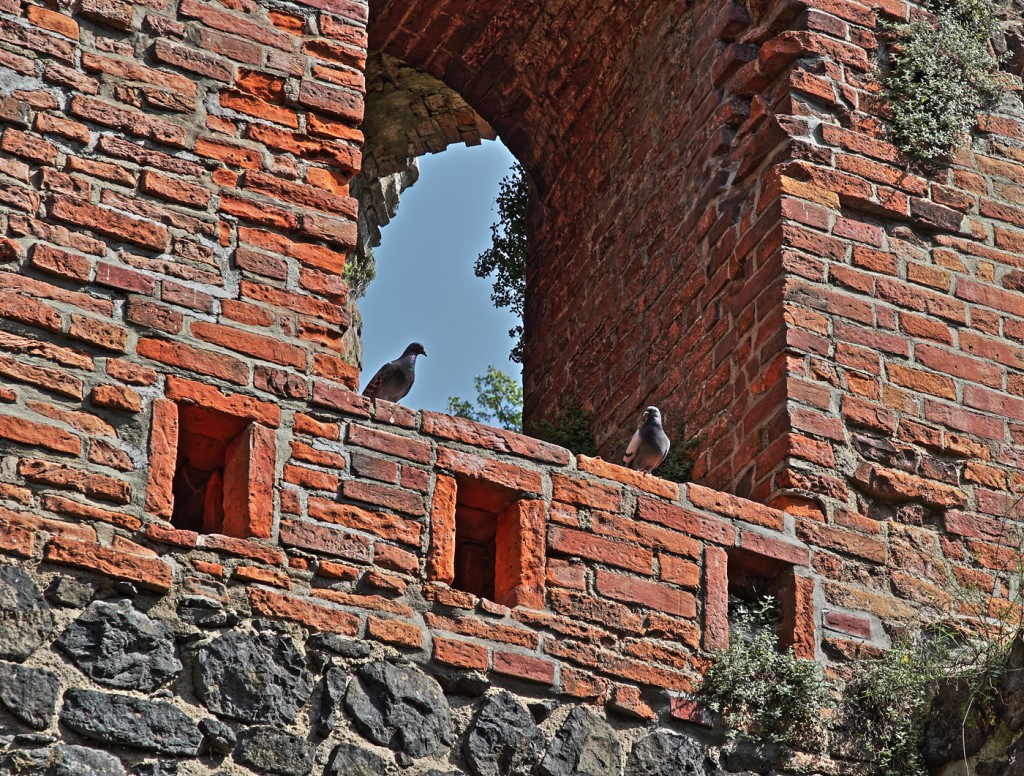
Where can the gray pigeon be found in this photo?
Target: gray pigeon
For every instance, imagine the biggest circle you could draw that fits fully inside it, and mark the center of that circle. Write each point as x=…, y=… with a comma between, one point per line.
x=393, y=380
x=649, y=445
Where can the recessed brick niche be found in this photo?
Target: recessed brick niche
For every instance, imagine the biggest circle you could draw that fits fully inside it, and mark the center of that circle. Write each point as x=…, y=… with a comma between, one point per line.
x=488, y=541
x=215, y=461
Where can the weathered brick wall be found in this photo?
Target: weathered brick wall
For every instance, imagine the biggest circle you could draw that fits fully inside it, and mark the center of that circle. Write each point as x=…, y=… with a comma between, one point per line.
x=175, y=216
x=757, y=259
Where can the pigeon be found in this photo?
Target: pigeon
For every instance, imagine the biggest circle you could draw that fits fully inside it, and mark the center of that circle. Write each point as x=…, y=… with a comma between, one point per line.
x=393, y=380
x=649, y=445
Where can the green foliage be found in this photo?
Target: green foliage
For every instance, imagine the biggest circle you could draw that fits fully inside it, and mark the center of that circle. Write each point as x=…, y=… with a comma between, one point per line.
x=760, y=691
x=570, y=429
x=360, y=270
x=678, y=464
x=887, y=701
x=942, y=72
x=506, y=258
x=499, y=401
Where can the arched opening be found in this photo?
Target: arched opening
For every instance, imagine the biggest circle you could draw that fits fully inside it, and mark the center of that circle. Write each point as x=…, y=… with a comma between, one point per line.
x=424, y=287
x=654, y=275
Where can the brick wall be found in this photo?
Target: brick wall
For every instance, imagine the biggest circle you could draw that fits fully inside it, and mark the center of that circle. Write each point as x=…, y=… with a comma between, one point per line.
x=177, y=415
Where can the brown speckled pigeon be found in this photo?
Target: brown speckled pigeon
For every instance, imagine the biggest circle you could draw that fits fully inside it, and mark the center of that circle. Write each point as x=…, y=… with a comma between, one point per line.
x=393, y=380
x=649, y=445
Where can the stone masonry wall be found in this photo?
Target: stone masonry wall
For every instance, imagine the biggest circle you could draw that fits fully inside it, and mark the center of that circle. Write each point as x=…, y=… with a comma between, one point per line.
x=211, y=547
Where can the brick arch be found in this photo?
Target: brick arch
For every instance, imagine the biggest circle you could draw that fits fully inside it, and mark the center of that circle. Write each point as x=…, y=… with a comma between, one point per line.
x=651, y=277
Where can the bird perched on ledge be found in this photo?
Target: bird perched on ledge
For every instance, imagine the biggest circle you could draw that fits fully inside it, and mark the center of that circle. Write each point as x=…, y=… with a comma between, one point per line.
x=393, y=380
x=649, y=445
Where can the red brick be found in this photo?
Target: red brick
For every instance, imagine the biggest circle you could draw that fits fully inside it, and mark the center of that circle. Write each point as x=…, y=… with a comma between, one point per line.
x=578, y=544
x=194, y=360
x=27, y=432
x=716, y=599
x=29, y=311
x=327, y=395
x=586, y=493
x=340, y=103
x=691, y=711
x=238, y=25
x=687, y=521
x=734, y=507
x=163, y=456
x=116, y=397
x=497, y=440
x=56, y=475
x=255, y=345
x=396, y=632
x=525, y=667
x=243, y=548
x=149, y=573
x=849, y=623
x=28, y=147
x=397, y=499
x=393, y=444
x=173, y=190
x=262, y=576
x=321, y=538
x=386, y=526
x=126, y=120
x=289, y=607
x=460, y=654
x=110, y=223
x=193, y=60
x=61, y=263
x=489, y=471
x=678, y=571
x=774, y=547
x=303, y=452
x=249, y=476
x=394, y=558
x=55, y=380
x=234, y=154
x=651, y=594
x=610, y=471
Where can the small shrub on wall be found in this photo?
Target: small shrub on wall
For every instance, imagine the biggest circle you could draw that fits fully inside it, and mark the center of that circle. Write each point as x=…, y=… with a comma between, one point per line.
x=942, y=71
x=762, y=692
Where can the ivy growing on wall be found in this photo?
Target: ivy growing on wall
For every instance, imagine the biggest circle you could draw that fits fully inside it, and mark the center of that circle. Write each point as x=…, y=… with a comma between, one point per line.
x=942, y=71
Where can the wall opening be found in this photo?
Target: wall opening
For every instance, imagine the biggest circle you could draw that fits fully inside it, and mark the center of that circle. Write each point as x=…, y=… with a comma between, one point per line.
x=419, y=131
x=223, y=474
x=757, y=596
x=487, y=540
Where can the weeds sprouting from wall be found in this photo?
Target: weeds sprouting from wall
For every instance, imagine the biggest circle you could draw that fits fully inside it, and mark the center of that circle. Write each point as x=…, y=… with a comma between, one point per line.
x=571, y=428
x=762, y=692
x=360, y=270
x=678, y=464
x=942, y=71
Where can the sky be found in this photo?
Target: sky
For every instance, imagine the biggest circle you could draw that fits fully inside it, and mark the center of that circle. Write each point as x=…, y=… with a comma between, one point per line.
x=425, y=290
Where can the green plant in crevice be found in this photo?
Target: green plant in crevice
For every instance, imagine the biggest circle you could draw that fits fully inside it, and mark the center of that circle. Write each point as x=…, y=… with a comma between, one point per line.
x=761, y=692
x=571, y=428
x=678, y=464
x=506, y=258
x=360, y=270
x=941, y=72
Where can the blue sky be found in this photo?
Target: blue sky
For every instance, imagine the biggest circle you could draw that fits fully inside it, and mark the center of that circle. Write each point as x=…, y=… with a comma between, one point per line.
x=425, y=288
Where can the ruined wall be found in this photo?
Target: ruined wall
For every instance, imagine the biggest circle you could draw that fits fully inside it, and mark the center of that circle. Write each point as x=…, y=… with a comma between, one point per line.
x=188, y=479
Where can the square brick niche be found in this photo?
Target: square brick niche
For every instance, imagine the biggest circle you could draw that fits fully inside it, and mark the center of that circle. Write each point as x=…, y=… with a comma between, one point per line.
x=216, y=471
x=752, y=576
x=487, y=540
